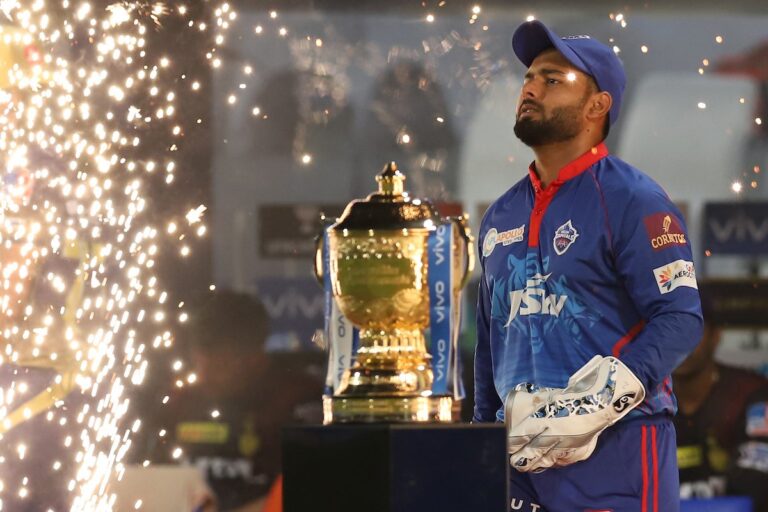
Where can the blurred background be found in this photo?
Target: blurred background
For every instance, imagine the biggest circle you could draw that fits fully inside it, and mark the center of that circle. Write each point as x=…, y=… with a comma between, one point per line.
x=335, y=90
x=303, y=102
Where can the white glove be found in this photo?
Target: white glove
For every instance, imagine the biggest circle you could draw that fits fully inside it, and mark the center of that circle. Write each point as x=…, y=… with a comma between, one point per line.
x=555, y=427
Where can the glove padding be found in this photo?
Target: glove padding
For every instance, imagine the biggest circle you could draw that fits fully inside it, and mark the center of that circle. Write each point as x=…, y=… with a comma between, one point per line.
x=555, y=427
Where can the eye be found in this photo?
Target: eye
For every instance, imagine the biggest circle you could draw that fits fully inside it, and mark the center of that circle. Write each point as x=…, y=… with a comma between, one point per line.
x=552, y=81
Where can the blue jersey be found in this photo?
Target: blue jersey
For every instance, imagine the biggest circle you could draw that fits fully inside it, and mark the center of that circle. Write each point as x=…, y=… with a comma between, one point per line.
x=596, y=263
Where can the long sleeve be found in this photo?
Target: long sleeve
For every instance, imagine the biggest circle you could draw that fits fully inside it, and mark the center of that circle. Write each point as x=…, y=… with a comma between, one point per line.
x=654, y=258
x=487, y=400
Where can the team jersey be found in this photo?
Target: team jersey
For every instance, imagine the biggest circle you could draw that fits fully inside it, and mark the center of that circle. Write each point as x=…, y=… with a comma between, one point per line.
x=596, y=263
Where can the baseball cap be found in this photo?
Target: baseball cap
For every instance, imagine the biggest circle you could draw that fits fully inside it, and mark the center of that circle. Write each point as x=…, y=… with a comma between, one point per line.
x=587, y=54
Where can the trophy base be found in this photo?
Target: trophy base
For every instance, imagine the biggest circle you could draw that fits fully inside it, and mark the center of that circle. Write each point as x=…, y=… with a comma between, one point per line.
x=387, y=409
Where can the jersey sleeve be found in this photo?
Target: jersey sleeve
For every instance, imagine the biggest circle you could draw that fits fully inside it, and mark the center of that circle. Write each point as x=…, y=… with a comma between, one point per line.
x=654, y=259
x=487, y=400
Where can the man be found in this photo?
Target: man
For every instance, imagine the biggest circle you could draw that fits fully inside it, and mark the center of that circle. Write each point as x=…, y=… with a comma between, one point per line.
x=587, y=301
x=722, y=426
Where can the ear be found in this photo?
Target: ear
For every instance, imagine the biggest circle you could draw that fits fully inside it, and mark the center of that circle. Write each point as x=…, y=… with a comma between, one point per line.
x=599, y=105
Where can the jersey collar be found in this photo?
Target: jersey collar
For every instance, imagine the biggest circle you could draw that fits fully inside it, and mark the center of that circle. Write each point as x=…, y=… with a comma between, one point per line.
x=572, y=169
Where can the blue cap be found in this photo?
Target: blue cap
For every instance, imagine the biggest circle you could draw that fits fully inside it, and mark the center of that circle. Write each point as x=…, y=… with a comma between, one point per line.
x=589, y=55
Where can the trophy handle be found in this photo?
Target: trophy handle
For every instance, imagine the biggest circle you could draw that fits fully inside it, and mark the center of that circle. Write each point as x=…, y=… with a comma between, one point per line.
x=318, y=267
x=460, y=222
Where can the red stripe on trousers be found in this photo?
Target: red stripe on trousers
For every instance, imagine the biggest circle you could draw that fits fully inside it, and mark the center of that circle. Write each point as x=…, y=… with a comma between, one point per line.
x=655, y=470
x=644, y=459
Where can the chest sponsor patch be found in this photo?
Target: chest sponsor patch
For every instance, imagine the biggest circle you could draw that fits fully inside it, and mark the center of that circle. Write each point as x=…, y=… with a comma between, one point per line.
x=675, y=274
x=664, y=230
x=565, y=235
x=757, y=420
x=493, y=238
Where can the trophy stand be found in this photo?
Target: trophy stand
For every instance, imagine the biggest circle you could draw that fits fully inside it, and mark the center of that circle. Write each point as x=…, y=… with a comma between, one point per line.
x=399, y=467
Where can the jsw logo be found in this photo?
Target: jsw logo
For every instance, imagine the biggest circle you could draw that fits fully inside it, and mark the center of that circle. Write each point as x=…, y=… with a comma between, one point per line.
x=534, y=299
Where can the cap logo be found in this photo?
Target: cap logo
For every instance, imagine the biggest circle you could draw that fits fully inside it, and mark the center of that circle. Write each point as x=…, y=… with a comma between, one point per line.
x=576, y=37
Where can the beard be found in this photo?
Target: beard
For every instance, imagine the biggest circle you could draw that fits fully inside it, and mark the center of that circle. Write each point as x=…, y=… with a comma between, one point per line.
x=564, y=124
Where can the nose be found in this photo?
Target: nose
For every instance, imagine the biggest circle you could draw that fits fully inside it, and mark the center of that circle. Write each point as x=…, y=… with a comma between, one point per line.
x=530, y=90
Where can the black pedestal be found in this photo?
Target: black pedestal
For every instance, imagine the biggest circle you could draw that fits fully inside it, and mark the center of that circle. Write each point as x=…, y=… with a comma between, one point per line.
x=395, y=468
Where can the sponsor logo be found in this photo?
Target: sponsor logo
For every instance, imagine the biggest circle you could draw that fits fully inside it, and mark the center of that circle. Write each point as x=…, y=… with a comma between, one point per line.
x=675, y=274
x=623, y=402
x=664, y=230
x=565, y=235
x=230, y=468
x=493, y=237
x=739, y=228
x=535, y=299
x=753, y=455
x=757, y=419
x=440, y=243
x=576, y=37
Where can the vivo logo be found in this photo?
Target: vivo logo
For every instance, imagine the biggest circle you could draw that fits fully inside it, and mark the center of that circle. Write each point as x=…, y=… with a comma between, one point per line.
x=440, y=300
x=441, y=362
x=293, y=304
x=440, y=244
x=740, y=228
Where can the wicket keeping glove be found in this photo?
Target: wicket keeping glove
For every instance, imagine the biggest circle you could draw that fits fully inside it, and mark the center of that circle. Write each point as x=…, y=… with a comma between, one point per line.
x=556, y=427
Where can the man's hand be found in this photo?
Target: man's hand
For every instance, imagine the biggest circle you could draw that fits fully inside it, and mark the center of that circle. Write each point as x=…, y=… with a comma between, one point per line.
x=556, y=427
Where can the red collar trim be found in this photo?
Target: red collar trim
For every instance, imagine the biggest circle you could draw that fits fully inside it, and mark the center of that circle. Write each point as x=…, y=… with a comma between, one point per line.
x=573, y=169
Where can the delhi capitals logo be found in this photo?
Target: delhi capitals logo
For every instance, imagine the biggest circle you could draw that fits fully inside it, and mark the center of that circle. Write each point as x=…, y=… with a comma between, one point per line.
x=565, y=235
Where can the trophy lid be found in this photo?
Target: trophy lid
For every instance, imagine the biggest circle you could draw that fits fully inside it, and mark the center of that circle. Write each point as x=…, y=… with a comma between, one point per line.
x=389, y=208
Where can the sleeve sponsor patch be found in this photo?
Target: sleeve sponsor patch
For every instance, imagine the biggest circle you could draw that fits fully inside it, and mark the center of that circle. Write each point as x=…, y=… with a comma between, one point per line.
x=664, y=230
x=757, y=420
x=675, y=274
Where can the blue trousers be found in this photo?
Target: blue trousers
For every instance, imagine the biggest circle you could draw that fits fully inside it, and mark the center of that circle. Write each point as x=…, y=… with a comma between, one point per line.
x=633, y=469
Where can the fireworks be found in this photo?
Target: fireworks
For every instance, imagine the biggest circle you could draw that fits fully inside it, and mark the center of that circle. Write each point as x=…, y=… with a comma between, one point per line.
x=79, y=299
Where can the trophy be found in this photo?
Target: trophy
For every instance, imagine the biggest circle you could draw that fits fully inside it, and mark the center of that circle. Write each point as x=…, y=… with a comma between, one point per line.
x=394, y=268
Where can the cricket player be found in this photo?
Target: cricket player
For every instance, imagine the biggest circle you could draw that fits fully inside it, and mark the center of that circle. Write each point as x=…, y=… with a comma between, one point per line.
x=588, y=298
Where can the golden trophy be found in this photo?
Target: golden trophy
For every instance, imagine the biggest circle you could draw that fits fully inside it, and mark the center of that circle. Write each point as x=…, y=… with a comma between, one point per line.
x=378, y=266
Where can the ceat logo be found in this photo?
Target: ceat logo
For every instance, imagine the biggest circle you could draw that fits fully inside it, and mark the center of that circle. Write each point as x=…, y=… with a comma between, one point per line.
x=565, y=235
x=493, y=237
x=675, y=274
x=664, y=230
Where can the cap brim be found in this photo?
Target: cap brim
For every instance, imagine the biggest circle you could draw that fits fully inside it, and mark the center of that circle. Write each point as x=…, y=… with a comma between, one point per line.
x=533, y=37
